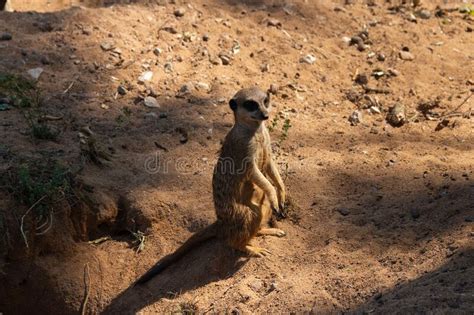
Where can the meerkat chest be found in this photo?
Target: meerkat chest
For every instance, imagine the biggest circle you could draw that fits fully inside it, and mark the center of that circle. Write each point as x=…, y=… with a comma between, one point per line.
x=262, y=150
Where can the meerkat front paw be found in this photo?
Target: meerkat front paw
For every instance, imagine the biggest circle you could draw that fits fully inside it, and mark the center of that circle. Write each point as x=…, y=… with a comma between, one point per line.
x=281, y=198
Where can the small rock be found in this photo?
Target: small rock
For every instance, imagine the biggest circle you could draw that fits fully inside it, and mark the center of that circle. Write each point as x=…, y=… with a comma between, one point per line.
x=202, y=86
x=179, y=12
x=274, y=88
x=424, y=14
x=6, y=36
x=168, y=67
x=264, y=67
x=107, y=46
x=157, y=51
x=380, y=57
x=412, y=18
x=273, y=22
x=45, y=60
x=35, y=73
x=346, y=39
x=309, y=59
x=225, y=59
x=406, y=55
x=121, y=90
x=185, y=90
x=170, y=29
x=151, y=102
x=205, y=37
x=396, y=115
x=361, y=79
x=356, y=40
x=145, y=77
x=469, y=219
x=163, y=115
x=377, y=73
x=355, y=118
x=256, y=285
x=343, y=211
x=393, y=72
x=374, y=110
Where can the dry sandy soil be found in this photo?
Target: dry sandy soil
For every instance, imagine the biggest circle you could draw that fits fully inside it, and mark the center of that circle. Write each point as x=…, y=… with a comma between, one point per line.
x=382, y=216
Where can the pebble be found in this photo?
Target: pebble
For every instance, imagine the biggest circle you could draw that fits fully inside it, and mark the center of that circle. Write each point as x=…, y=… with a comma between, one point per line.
x=412, y=18
x=274, y=88
x=225, y=59
x=157, y=51
x=396, y=115
x=256, y=285
x=309, y=59
x=151, y=102
x=406, y=55
x=264, y=67
x=121, y=90
x=145, y=77
x=380, y=57
x=185, y=90
x=205, y=37
x=202, y=86
x=6, y=36
x=424, y=14
x=35, y=73
x=393, y=72
x=273, y=22
x=106, y=46
x=179, y=12
x=362, y=79
x=346, y=39
x=355, y=118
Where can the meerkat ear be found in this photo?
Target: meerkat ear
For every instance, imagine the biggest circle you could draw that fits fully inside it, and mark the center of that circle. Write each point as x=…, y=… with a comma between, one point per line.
x=233, y=105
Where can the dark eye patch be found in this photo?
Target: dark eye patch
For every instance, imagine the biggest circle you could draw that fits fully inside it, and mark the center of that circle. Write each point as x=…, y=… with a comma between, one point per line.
x=251, y=106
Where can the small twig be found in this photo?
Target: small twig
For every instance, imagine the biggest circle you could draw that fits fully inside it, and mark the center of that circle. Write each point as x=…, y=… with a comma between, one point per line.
x=23, y=219
x=87, y=283
x=457, y=108
x=69, y=87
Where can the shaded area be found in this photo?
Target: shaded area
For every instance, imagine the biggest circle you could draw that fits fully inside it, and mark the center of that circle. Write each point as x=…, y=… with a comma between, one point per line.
x=208, y=263
x=447, y=290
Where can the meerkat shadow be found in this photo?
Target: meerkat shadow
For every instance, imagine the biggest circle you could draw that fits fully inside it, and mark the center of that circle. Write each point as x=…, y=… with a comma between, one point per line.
x=210, y=262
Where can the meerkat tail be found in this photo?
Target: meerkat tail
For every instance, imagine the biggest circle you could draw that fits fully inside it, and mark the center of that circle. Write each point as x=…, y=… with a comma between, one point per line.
x=195, y=240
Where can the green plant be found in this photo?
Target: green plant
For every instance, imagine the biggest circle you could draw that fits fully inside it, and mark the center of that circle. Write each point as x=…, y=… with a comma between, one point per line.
x=273, y=123
x=140, y=239
x=285, y=129
x=43, y=132
x=40, y=185
x=22, y=92
x=187, y=308
x=124, y=116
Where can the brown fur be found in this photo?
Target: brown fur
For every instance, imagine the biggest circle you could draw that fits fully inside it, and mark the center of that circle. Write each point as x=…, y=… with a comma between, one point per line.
x=244, y=197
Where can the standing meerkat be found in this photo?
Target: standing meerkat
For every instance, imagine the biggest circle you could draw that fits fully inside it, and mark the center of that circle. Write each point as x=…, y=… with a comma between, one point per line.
x=247, y=187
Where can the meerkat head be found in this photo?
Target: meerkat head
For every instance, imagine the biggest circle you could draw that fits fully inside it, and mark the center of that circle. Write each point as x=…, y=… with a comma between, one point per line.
x=250, y=106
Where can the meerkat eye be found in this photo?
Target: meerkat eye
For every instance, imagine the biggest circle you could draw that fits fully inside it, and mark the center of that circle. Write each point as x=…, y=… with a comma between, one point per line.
x=251, y=106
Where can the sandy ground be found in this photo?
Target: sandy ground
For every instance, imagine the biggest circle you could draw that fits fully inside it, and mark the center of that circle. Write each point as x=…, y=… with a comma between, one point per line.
x=382, y=219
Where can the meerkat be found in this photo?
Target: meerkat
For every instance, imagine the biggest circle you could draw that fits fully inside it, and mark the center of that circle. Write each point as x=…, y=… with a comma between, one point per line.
x=247, y=187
